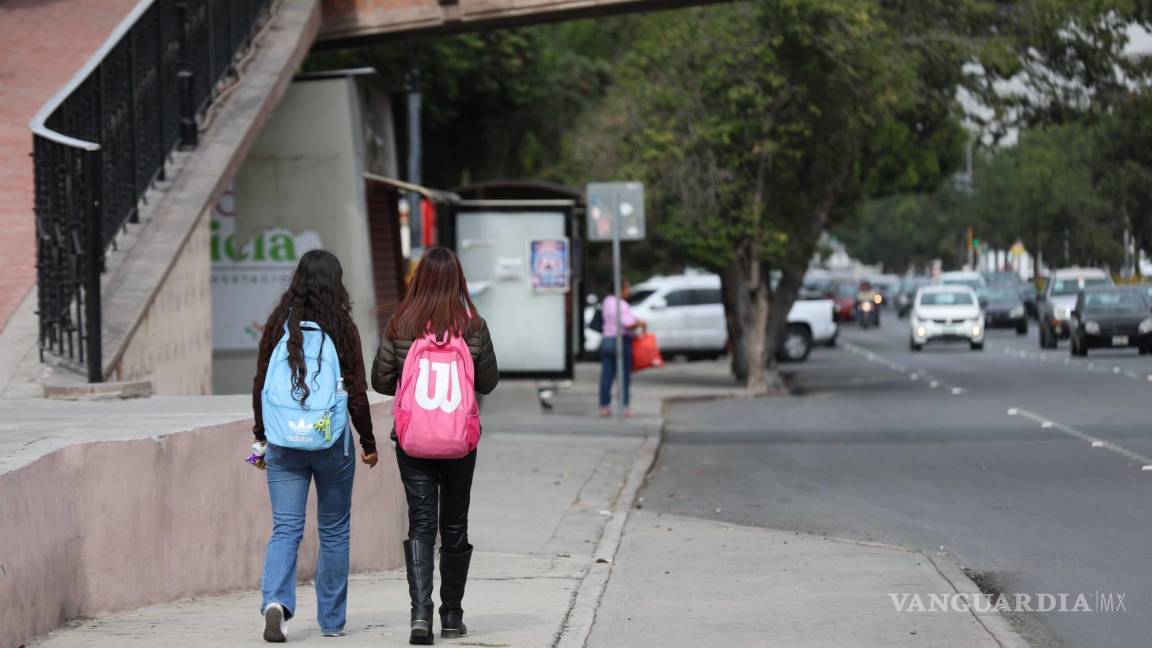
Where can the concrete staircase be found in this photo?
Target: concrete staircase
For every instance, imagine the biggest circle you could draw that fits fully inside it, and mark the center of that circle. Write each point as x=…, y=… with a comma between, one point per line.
x=156, y=290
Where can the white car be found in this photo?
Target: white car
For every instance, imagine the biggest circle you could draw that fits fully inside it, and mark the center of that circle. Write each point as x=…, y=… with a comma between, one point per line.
x=1059, y=298
x=973, y=280
x=686, y=313
x=946, y=314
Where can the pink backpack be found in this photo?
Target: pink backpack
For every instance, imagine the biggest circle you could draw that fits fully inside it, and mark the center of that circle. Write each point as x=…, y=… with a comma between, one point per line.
x=435, y=408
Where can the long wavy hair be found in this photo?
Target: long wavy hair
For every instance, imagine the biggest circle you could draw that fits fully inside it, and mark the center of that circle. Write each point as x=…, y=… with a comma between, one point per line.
x=436, y=300
x=316, y=294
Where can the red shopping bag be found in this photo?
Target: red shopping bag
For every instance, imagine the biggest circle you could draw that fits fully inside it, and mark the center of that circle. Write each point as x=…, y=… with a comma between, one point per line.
x=645, y=353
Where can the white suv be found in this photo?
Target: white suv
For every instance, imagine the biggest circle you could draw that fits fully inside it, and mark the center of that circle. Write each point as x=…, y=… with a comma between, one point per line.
x=946, y=313
x=686, y=313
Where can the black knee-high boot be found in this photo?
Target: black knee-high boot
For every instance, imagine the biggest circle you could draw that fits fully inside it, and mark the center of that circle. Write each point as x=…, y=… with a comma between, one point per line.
x=453, y=578
x=418, y=558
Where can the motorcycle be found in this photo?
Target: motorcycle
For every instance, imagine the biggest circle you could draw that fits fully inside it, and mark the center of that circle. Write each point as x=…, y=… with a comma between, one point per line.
x=903, y=305
x=868, y=312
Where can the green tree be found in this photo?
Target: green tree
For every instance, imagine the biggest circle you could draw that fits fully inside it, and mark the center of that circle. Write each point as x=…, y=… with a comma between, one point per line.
x=497, y=104
x=758, y=124
x=908, y=231
x=1124, y=165
x=1042, y=192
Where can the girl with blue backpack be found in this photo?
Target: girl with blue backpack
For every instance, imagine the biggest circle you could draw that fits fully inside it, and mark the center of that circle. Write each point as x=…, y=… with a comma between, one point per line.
x=435, y=356
x=309, y=389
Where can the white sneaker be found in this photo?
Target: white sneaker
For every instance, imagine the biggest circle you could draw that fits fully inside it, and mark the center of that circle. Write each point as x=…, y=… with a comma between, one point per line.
x=337, y=633
x=275, y=625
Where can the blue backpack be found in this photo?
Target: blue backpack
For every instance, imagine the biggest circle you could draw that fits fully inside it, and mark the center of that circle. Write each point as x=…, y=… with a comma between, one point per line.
x=323, y=417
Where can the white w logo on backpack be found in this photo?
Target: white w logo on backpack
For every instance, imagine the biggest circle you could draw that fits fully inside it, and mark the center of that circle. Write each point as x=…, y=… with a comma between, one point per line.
x=445, y=397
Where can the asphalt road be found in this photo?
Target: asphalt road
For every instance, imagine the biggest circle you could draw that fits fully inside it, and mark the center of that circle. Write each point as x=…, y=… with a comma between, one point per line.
x=1025, y=465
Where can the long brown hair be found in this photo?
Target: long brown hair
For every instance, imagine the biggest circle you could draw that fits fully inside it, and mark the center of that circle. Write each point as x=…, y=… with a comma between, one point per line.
x=437, y=300
x=316, y=294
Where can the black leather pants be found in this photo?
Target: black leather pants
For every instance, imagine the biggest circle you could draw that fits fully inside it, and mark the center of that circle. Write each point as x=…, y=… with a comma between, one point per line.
x=438, y=493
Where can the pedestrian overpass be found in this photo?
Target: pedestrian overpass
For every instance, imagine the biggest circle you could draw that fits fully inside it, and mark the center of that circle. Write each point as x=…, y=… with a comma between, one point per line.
x=351, y=22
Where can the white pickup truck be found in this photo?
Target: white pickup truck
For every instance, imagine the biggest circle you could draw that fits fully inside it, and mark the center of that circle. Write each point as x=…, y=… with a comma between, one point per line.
x=686, y=314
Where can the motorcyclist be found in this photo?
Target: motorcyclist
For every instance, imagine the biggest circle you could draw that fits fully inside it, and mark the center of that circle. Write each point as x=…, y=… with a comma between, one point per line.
x=867, y=303
x=866, y=292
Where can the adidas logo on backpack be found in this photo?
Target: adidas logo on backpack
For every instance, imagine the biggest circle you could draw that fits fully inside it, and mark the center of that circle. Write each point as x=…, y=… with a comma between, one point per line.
x=435, y=409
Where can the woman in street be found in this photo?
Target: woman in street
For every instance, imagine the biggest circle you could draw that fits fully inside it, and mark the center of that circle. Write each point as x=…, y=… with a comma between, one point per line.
x=631, y=325
x=438, y=490
x=316, y=300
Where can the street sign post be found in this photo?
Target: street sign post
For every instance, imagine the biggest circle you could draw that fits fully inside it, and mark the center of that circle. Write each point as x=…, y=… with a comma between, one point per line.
x=616, y=213
x=610, y=203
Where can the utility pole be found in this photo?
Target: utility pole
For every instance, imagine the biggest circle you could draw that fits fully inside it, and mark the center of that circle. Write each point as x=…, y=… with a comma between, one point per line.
x=415, y=155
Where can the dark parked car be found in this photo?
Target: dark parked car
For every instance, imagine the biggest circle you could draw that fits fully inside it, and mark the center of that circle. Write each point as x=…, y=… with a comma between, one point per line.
x=1029, y=294
x=1004, y=308
x=1012, y=279
x=1111, y=318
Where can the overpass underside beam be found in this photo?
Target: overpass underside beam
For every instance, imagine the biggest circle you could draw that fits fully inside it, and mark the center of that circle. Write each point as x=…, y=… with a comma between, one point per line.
x=352, y=23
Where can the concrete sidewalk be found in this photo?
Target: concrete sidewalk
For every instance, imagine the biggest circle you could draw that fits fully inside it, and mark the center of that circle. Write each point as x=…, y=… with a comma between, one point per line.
x=539, y=506
x=688, y=582
x=566, y=556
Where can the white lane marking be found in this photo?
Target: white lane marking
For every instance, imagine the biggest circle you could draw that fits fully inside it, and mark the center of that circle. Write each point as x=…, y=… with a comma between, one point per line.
x=1089, y=367
x=1095, y=442
x=918, y=375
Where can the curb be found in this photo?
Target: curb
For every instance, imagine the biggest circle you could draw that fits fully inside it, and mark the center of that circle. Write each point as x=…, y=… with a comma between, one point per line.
x=787, y=389
x=998, y=627
x=577, y=625
x=99, y=391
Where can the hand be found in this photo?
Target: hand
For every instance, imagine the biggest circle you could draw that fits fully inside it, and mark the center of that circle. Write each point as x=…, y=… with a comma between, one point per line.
x=256, y=456
x=369, y=458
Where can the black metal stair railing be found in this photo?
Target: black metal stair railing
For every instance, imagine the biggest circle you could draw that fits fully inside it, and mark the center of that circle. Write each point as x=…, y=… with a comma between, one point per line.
x=103, y=139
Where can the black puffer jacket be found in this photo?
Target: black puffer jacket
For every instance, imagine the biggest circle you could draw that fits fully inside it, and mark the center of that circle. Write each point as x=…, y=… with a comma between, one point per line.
x=389, y=363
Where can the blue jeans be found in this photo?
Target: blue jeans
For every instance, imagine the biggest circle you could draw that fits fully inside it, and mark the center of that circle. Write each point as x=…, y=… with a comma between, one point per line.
x=290, y=472
x=608, y=369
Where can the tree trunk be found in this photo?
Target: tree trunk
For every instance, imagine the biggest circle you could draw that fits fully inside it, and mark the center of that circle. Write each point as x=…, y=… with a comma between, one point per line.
x=792, y=274
x=754, y=319
x=735, y=300
x=791, y=280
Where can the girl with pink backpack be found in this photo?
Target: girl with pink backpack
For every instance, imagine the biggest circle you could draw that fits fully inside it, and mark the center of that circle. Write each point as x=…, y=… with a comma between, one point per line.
x=435, y=356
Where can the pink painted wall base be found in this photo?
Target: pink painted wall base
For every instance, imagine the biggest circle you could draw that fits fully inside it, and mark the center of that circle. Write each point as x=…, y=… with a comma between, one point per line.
x=104, y=526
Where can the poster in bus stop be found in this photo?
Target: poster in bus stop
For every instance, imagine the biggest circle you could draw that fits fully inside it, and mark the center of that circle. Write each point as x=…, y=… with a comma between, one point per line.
x=548, y=260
